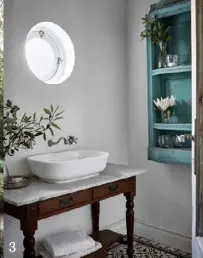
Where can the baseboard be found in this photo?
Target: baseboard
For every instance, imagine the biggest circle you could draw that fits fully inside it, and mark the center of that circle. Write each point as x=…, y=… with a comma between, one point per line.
x=155, y=233
x=118, y=227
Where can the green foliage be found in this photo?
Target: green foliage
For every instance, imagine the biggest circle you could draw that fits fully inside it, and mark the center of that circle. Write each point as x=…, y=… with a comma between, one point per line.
x=22, y=133
x=157, y=31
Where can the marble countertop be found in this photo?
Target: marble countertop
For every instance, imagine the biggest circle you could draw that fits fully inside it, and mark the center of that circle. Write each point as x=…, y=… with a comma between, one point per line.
x=39, y=190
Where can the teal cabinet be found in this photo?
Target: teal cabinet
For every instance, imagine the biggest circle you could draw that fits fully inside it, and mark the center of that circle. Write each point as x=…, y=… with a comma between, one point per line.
x=168, y=81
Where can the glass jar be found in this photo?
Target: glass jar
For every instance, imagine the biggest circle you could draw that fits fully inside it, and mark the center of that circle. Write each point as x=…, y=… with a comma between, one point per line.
x=178, y=141
x=172, y=60
x=165, y=141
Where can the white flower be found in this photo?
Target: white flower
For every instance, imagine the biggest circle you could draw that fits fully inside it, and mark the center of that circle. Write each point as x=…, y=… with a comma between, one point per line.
x=172, y=101
x=164, y=104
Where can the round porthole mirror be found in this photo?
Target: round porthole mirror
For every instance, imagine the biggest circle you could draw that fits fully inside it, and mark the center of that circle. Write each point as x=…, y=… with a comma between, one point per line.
x=50, y=53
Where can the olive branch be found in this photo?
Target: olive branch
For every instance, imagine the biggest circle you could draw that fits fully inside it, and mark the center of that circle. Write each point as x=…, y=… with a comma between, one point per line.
x=22, y=133
x=157, y=31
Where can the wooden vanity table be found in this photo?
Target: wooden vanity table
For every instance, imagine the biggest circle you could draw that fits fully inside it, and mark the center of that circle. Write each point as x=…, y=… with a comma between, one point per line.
x=41, y=200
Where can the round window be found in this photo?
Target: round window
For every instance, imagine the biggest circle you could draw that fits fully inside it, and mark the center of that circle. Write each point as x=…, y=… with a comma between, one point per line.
x=50, y=53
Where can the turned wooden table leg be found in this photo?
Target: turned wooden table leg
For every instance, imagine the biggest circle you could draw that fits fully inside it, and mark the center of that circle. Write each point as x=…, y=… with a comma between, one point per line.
x=29, y=225
x=95, y=216
x=130, y=222
x=29, y=244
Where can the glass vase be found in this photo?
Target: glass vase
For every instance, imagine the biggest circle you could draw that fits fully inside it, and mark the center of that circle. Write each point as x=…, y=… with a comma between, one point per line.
x=165, y=116
x=162, y=59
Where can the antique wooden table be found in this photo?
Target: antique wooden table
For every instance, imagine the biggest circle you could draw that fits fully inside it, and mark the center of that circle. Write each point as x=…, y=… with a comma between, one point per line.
x=41, y=200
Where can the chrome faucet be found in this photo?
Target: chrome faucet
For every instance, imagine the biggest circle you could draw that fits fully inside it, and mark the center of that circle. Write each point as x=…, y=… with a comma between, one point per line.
x=68, y=140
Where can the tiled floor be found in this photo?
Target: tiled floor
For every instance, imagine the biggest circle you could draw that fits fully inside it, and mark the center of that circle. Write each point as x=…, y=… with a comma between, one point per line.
x=144, y=248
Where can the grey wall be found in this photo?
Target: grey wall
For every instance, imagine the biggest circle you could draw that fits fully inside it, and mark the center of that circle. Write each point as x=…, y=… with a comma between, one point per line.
x=164, y=194
x=106, y=107
x=93, y=97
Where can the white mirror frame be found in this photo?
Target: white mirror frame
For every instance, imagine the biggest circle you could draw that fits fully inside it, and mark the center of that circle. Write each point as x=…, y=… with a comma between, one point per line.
x=62, y=47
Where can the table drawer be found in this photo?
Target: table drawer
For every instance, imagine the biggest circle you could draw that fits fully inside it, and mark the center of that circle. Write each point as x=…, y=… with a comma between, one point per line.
x=114, y=187
x=63, y=202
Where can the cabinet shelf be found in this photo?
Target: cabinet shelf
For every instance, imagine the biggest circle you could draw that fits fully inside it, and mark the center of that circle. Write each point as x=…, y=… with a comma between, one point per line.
x=170, y=156
x=175, y=127
x=175, y=69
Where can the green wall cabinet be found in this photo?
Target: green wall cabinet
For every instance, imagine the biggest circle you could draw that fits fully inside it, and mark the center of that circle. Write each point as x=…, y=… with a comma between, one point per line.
x=169, y=81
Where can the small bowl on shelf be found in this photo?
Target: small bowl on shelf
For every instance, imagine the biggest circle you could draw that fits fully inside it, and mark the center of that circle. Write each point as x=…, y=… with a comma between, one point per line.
x=14, y=182
x=172, y=60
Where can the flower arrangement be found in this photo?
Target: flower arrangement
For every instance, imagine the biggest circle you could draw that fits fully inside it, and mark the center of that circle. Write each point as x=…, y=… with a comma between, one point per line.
x=156, y=30
x=165, y=105
x=158, y=33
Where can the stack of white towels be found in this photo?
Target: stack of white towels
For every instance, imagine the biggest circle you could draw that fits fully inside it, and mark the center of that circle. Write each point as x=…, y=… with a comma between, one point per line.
x=72, y=244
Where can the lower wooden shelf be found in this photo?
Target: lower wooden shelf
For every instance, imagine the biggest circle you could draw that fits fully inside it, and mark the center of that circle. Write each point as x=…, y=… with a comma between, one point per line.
x=106, y=238
x=170, y=156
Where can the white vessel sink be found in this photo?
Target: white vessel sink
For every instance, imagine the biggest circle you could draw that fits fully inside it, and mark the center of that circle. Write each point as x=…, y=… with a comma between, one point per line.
x=68, y=166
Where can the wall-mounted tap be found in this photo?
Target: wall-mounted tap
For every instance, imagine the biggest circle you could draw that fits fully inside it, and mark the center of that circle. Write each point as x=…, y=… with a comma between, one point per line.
x=67, y=141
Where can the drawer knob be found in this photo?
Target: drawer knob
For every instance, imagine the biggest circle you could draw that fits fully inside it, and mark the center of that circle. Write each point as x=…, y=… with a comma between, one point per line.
x=113, y=187
x=66, y=202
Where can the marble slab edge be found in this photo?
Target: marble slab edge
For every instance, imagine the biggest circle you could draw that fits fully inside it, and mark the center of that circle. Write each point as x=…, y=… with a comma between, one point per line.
x=69, y=190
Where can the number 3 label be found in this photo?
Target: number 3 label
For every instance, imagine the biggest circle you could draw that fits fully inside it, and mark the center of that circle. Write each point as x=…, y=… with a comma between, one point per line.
x=12, y=248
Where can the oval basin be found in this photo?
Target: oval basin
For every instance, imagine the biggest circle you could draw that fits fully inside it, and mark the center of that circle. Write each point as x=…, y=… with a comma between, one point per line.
x=68, y=166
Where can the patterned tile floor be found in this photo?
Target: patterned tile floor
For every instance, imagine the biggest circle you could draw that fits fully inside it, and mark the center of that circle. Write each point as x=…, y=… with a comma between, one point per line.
x=144, y=248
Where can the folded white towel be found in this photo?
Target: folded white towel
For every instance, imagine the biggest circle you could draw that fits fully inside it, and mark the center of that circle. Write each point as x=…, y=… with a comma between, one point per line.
x=63, y=244
x=97, y=246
